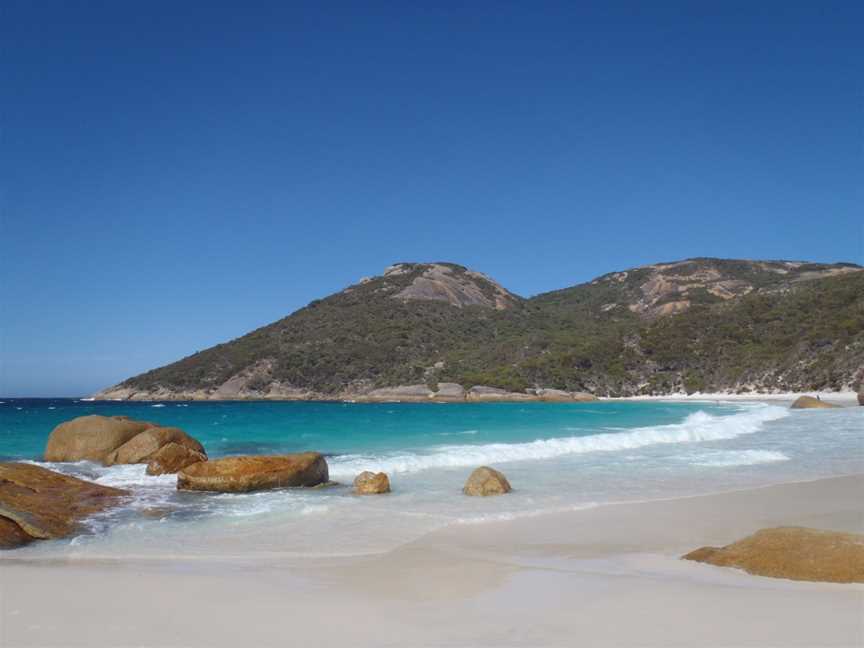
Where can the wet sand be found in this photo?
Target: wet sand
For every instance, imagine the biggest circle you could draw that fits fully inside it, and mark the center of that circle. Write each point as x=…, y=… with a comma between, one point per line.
x=608, y=576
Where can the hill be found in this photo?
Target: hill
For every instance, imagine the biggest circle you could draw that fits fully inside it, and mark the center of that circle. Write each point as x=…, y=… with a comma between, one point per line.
x=694, y=325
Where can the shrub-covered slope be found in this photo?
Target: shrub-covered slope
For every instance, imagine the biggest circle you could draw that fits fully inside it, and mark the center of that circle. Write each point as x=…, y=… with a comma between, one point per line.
x=695, y=325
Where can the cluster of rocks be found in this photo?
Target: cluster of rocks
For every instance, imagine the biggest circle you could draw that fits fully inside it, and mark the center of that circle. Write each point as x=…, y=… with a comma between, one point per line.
x=112, y=440
x=37, y=503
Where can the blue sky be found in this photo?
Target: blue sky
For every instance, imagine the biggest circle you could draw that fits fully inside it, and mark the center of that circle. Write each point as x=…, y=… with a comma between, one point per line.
x=174, y=176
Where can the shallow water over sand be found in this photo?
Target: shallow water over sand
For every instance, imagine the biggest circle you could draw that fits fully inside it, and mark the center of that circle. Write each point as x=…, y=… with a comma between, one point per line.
x=558, y=457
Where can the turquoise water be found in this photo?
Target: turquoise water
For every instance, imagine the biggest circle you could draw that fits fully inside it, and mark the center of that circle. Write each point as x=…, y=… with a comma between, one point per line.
x=558, y=457
x=227, y=428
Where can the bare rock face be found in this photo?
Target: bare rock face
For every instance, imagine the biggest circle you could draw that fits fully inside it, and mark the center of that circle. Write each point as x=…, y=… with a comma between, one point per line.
x=251, y=473
x=369, y=483
x=449, y=392
x=411, y=393
x=484, y=394
x=485, y=481
x=172, y=458
x=796, y=553
x=808, y=402
x=142, y=446
x=453, y=284
x=561, y=396
x=45, y=504
x=91, y=437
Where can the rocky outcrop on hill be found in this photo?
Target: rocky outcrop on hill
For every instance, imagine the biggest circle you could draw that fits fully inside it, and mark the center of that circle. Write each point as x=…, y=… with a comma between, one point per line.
x=452, y=284
x=112, y=440
x=485, y=481
x=36, y=503
x=809, y=402
x=795, y=553
x=252, y=473
x=369, y=483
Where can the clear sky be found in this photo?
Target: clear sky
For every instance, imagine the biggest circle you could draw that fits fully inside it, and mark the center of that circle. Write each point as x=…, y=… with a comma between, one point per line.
x=175, y=174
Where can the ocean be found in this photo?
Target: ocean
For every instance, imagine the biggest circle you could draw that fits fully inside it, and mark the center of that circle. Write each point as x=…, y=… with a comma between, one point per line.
x=557, y=456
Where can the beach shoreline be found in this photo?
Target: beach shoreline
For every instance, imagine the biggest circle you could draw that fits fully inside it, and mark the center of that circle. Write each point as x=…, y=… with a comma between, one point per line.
x=550, y=580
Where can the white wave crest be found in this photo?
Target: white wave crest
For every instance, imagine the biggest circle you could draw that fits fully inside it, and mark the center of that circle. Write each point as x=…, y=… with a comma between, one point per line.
x=728, y=458
x=697, y=427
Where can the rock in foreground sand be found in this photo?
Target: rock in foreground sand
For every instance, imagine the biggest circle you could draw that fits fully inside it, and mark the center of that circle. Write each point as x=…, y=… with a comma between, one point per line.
x=369, y=483
x=796, y=553
x=486, y=481
x=243, y=474
x=45, y=504
x=808, y=402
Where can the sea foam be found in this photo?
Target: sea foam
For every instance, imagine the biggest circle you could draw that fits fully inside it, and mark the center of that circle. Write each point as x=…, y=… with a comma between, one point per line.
x=697, y=427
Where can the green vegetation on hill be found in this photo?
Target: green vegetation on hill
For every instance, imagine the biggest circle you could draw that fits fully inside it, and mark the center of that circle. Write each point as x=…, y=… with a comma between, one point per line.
x=766, y=325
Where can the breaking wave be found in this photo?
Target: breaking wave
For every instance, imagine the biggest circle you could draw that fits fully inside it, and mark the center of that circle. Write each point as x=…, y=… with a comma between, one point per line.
x=697, y=427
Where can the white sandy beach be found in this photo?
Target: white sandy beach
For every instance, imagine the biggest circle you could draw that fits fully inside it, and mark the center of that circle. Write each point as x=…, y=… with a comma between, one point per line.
x=608, y=576
x=844, y=398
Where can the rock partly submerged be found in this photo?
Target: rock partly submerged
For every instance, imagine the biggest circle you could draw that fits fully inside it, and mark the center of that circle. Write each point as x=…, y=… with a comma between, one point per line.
x=112, y=440
x=172, y=458
x=250, y=473
x=485, y=481
x=796, y=553
x=91, y=438
x=809, y=402
x=143, y=446
x=861, y=397
x=44, y=504
x=369, y=483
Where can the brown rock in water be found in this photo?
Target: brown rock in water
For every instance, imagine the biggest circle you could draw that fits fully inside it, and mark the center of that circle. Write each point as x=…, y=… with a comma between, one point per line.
x=46, y=504
x=486, y=481
x=796, y=553
x=369, y=483
x=172, y=458
x=243, y=474
x=12, y=535
x=141, y=447
x=91, y=437
x=861, y=397
x=808, y=402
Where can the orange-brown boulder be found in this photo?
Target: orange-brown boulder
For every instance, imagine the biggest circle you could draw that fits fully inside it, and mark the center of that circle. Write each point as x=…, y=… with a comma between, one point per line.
x=12, y=535
x=796, y=553
x=145, y=444
x=172, y=458
x=808, y=402
x=91, y=437
x=46, y=504
x=486, y=481
x=369, y=483
x=243, y=474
